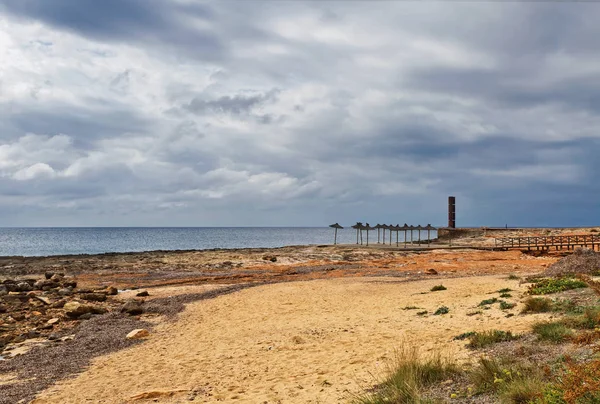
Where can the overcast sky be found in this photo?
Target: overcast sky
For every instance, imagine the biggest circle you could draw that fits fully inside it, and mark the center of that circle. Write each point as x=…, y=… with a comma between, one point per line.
x=224, y=113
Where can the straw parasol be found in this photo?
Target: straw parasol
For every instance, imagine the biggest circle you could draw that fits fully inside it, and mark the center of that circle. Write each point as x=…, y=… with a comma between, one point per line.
x=419, y=228
x=429, y=227
x=358, y=226
x=336, y=226
x=367, y=227
x=405, y=228
x=378, y=227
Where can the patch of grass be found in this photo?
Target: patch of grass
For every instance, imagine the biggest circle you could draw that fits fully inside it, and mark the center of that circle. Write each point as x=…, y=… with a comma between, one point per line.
x=537, y=305
x=555, y=332
x=505, y=290
x=410, y=308
x=441, y=310
x=437, y=288
x=488, y=301
x=513, y=277
x=547, y=286
x=500, y=374
x=464, y=335
x=407, y=378
x=474, y=313
x=521, y=390
x=486, y=338
x=590, y=319
x=506, y=305
x=506, y=295
x=422, y=313
x=567, y=306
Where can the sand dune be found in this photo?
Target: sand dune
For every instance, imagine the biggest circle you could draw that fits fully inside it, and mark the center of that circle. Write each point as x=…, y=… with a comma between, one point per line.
x=301, y=342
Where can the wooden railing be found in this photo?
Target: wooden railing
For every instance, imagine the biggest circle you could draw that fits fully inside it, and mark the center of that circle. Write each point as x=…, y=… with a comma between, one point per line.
x=546, y=242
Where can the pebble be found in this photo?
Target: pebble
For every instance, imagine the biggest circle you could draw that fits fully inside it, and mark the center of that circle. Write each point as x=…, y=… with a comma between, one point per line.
x=138, y=334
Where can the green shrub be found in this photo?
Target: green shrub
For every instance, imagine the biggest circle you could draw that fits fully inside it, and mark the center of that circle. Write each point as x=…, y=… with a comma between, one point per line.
x=505, y=295
x=521, y=390
x=552, y=331
x=464, y=335
x=567, y=306
x=486, y=338
x=505, y=290
x=589, y=320
x=553, y=285
x=506, y=305
x=537, y=305
x=422, y=313
x=441, y=310
x=513, y=277
x=488, y=301
x=410, y=308
x=408, y=377
x=438, y=288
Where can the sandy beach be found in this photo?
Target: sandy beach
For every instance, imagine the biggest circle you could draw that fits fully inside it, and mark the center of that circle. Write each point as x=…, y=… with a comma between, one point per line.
x=303, y=342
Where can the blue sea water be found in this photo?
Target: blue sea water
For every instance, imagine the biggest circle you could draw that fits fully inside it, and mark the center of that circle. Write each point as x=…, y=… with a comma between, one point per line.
x=93, y=240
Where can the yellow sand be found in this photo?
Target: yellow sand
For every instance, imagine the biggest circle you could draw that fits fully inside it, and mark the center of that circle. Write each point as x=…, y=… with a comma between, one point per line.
x=303, y=342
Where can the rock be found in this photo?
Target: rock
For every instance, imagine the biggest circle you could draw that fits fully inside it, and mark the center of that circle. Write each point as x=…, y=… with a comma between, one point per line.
x=94, y=297
x=69, y=284
x=65, y=292
x=11, y=287
x=85, y=291
x=143, y=293
x=45, y=285
x=49, y=275
x=132, y=308
x=33, y=334
x=59, y=304
x=57, y=277
x=53, y=337
x=271, y=258
x=53, y=321
x=76, y=309
x=138, y=334
x=18, y=316
x=431, y=271
x=112, y=291
x=99, y=310
x=24, y=287
x=85, y=316
x=43, y=299
x=3, y=308
x=3, y=290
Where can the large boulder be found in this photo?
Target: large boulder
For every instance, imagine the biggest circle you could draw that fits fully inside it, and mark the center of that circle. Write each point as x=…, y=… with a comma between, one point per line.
x=133, y=308
x=94, y=297
x=112, y=291
x=76, y=309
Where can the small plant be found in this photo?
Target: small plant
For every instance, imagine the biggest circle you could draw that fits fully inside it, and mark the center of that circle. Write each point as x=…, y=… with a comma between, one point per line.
x=437, y=288
x=408, y=377
x=590, y=319
x=488, y=301
x=410, y=308
x=505, y=290
x=522, y=390
x=506, y=305
x=546, y=286
x=581, y=382
x=513, y=277
x=474, y=313
x=486, y=338
x=422, y=313
x=537, y=305
x=505, y=295
x=441, y=310
x=552, y=331
x=499, y=374
x=567, y=306
x=464, y=335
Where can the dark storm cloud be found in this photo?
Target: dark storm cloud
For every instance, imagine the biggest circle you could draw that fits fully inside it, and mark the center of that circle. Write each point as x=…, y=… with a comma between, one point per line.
x=238, y=104
x=159, y=21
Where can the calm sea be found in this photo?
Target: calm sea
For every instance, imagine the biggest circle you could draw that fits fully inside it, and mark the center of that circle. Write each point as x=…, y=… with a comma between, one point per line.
x=94, y=240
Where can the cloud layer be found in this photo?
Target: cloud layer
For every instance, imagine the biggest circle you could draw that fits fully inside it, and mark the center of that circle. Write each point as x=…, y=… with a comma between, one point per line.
x=194, y=113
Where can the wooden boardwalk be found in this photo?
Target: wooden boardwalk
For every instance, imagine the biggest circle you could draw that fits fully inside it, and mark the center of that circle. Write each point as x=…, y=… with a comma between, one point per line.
x=549, y=242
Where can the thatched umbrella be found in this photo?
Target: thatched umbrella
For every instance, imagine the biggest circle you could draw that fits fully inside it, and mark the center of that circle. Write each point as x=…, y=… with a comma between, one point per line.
x=378, y=227
x=358, y=226
x=367, y=227
x=419, y=228
x=336, y=226
x=405, y=228
x=429, y=227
